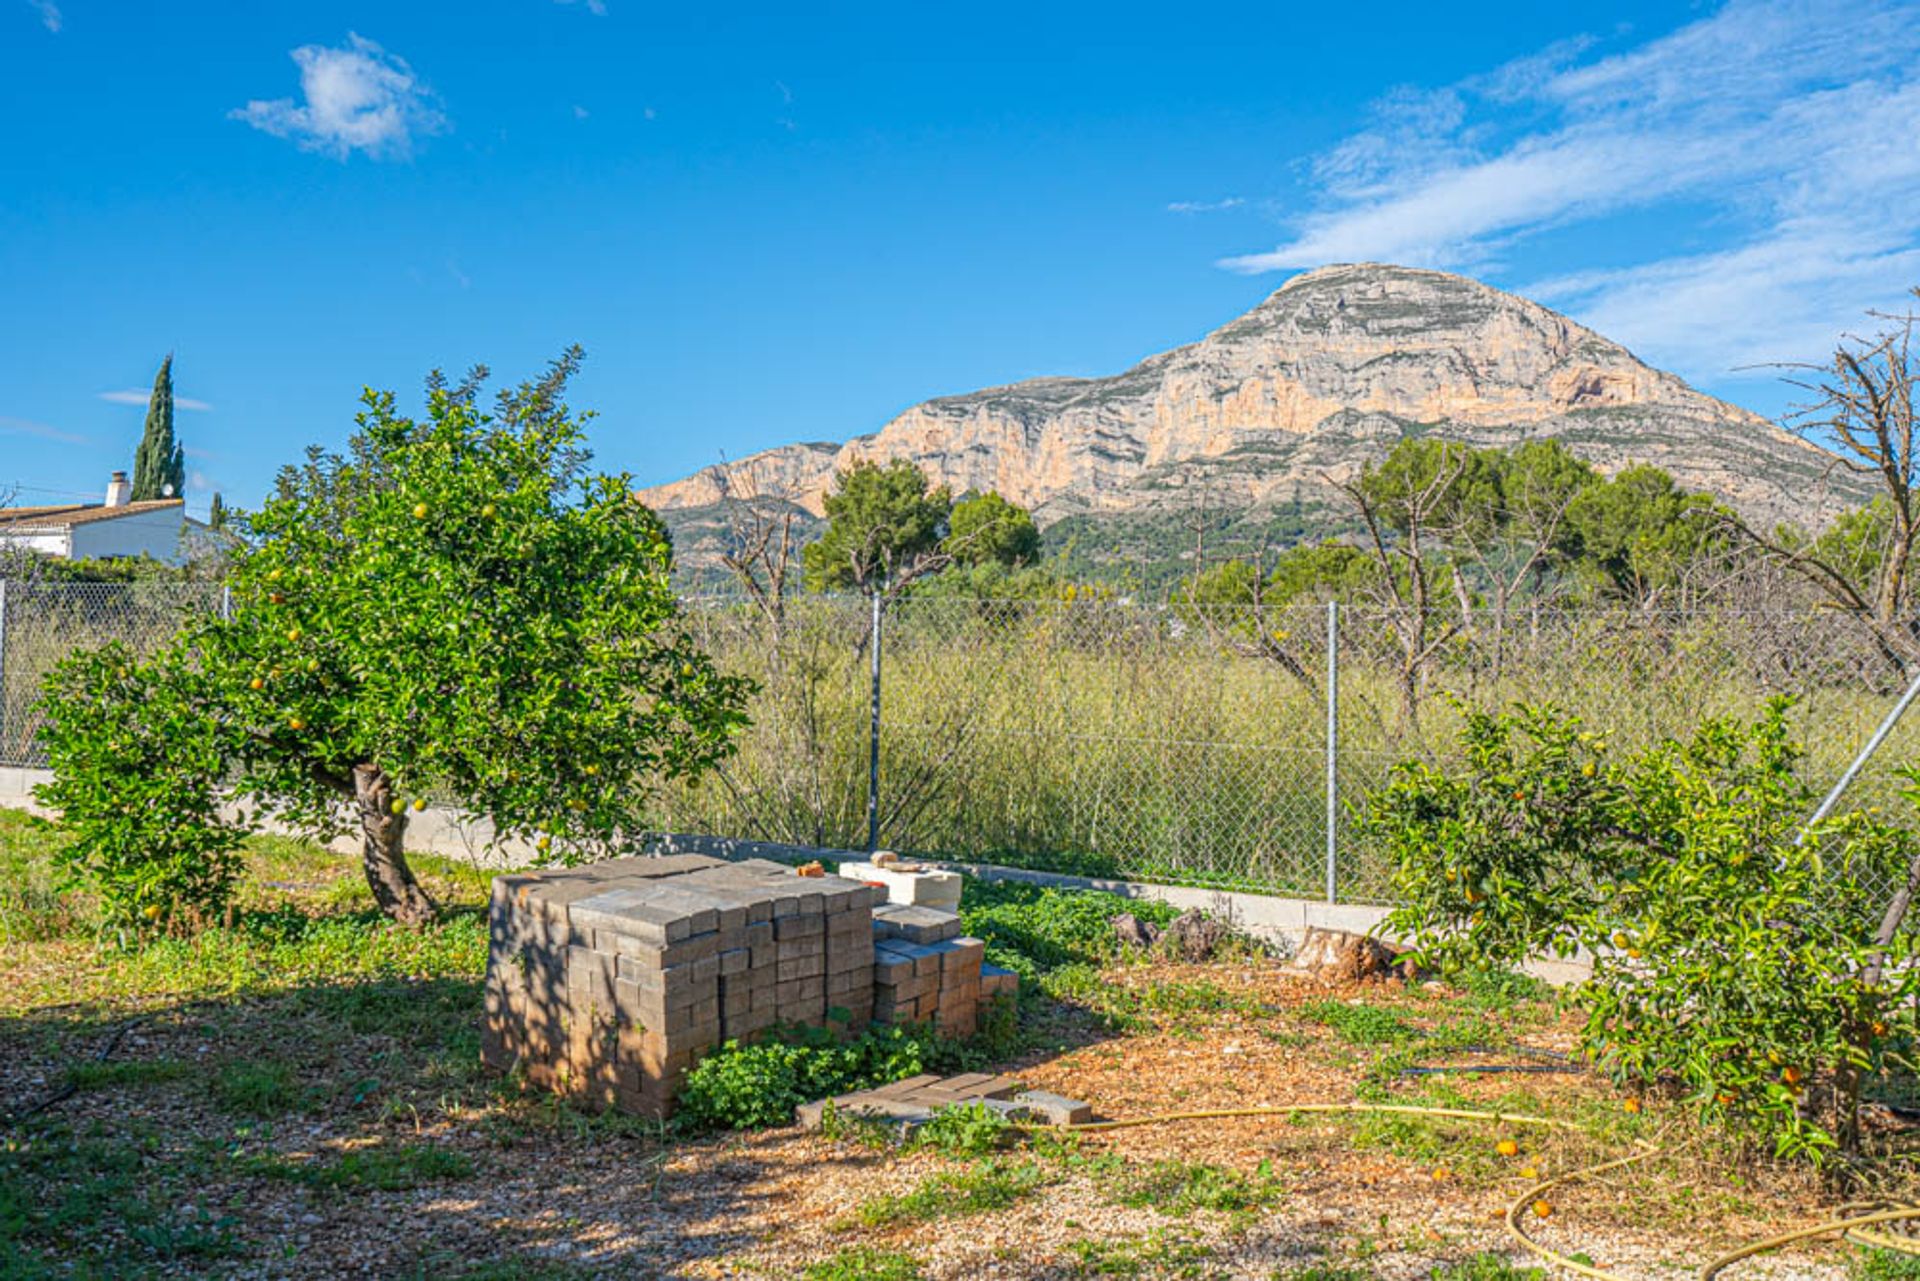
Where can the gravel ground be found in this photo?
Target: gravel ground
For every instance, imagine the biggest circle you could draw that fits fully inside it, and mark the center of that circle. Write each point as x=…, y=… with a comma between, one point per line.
x=552, y=1194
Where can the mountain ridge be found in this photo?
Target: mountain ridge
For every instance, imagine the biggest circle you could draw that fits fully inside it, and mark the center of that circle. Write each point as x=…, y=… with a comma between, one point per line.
x=1320, y=377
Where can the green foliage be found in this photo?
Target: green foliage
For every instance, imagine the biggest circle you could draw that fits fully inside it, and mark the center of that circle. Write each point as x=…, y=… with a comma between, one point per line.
x=262, y=1088
x=882, y=525
x=965, y=1129
x=985, y=528
x=1877, y=1264
x=372, y=1169
x=978, y=1189
x=455, y=607
x=1359, y=1023
x=1159, y=1253
x=748, y=1086
x=1178, y=1188
x=1426, y=481
x=1730, y=955
x=1487, y=1266
x=160, y=462
x=136, y=764
x=1639, y=533
x=1034, y=930
x=865, y=1263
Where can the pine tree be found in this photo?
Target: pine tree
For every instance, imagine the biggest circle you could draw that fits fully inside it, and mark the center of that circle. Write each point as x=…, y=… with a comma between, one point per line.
x=217, y=513
x=160, y=464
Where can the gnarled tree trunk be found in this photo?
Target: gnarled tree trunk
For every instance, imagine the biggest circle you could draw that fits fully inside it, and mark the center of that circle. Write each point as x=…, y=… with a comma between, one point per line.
x=383, y=828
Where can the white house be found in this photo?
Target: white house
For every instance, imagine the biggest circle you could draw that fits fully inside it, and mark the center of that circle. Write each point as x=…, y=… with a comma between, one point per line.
x=88, y=531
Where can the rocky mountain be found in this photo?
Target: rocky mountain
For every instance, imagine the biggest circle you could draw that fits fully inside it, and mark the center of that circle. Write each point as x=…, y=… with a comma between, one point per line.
x=1327, y=373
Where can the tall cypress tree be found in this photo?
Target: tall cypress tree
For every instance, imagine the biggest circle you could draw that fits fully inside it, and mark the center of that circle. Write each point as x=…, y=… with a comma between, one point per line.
x=160, y=461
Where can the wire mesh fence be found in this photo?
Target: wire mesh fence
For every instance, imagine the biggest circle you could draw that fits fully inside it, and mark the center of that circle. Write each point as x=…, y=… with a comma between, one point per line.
x=41, y=622
x=1219, y=746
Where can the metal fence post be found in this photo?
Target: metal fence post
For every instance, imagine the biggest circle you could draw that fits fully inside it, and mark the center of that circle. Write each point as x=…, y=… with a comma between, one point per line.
x=226, y=604
x=6, y=705
x=873, y=738
x=1333, y=750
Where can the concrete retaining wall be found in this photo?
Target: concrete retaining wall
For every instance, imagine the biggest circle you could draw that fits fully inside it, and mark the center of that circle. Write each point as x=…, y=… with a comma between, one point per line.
x=1279, y=920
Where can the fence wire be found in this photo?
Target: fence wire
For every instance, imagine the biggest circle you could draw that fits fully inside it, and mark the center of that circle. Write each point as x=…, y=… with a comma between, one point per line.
x=1159, y=742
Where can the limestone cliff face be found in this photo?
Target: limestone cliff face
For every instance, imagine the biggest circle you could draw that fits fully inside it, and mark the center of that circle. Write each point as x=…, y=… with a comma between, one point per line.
x=1326, y=373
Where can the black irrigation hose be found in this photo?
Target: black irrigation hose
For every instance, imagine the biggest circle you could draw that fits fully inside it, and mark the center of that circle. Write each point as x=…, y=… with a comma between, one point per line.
x=1551, y=1061
x=68, y=1090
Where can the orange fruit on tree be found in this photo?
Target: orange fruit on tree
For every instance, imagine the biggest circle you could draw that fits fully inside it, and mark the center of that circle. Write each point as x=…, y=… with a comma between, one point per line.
x=294, y=722
x=1541, y=1209
x=293, y=634
x=419, y=804
x=1791, y=1075
x=1507, y=1147
x=151, y=911
x=419, y=511
x=1631, y=1105
x=256, y=683
x=1879, y=1028
x=1726, y=1098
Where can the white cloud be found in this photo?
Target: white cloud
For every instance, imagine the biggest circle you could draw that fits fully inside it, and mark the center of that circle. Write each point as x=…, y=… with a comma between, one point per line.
x=598, y=8
x=357, y=97
x=40, y=431
x=133, y=396
x=1204, y=206
x=50, y=16
x=1779, y=141
x=580, y=112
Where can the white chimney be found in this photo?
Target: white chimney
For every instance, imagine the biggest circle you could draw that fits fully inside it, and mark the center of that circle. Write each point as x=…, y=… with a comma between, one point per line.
x=118, y=490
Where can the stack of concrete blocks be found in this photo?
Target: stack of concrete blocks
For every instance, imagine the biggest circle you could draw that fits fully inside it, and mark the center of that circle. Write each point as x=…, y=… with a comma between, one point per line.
x=925, y=972
x=608, y=982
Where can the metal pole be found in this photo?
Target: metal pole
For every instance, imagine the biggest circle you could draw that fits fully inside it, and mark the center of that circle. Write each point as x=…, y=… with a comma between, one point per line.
x=5, y=705
x=873, y=737
x=226, y=604
x=1333, y=750
x=1859, y=762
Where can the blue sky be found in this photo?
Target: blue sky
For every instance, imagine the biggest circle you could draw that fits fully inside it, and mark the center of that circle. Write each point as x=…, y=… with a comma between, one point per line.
x=767, y=224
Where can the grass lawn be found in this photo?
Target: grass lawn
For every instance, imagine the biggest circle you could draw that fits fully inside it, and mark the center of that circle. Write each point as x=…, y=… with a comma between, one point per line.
x=299, y=1094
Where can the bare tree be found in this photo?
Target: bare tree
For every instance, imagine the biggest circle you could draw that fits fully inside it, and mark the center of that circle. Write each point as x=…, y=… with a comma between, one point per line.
x=1419, y=503
x=1862, y=405
x=760, y=553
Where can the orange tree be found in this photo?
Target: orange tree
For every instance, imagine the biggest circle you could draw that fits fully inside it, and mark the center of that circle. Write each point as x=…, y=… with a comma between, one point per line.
x=455, y=607
x=1735, y=954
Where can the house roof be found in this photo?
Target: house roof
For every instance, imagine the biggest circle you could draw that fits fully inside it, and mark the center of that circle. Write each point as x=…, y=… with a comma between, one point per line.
x=66, y=515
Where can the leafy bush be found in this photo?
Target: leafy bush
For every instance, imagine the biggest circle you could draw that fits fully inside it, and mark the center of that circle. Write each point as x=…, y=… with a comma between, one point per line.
x=1359, y=1023
x=964, y=1129
x=1730, y=955
x=136, y=766
x=746, y=1086
x=1033, y=930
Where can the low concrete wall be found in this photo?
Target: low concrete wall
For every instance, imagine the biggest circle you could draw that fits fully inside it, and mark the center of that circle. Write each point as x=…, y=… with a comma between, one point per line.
x=446, y=832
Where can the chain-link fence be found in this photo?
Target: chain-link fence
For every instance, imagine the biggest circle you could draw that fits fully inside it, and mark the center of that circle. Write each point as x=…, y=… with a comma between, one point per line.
x=40, y=622
x=1216, y=746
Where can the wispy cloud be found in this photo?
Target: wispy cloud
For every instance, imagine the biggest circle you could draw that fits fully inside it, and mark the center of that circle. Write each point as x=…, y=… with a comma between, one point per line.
x=580, y=112
x=50, y=15
x=134, y=396
x=1204, y=206
x=598, y=8
x=356, y=97
x=1782, y=139
x=40, y=431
